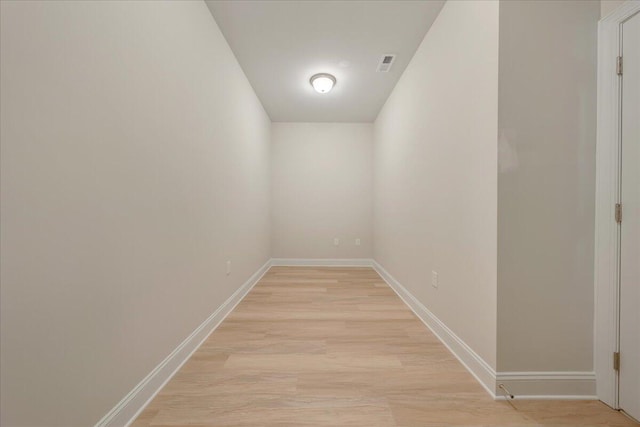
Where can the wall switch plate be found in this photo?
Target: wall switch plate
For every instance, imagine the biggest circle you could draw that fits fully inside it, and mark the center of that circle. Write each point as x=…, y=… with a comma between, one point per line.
x=336, y=242
x=228, y=268
x=434, y=279
x=357, y=242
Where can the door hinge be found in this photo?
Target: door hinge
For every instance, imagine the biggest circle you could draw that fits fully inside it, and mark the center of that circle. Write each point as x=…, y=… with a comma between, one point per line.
x=616, y=361
x=619, y=65
x=618, y=213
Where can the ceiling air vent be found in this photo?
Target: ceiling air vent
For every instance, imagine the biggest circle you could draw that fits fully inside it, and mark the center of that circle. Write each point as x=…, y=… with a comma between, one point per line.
x=385, y=63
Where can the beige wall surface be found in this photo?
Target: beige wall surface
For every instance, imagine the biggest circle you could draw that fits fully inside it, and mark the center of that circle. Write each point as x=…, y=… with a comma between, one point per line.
x=134, y=164
x=322, y=189
x=607, y=6
x=435, y=169
x=546, y=185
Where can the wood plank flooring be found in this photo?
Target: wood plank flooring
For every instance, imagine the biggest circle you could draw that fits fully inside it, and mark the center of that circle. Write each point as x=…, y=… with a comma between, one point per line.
x=337, y=347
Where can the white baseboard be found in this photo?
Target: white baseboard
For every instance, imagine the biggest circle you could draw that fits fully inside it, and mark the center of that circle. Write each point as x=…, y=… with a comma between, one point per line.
x=480, y=369
x=126, y=411
x=322, y=262
x=549, y=385
x=523, y=385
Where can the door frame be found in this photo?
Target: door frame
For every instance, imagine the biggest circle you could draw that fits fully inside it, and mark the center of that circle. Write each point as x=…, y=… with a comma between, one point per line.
x=607, y=231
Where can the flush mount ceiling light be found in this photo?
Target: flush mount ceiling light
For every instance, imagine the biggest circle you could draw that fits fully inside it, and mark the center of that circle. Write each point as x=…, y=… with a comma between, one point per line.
x=322, y=82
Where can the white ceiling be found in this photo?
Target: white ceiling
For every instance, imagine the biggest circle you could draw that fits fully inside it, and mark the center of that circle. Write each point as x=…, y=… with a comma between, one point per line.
x=281, y=44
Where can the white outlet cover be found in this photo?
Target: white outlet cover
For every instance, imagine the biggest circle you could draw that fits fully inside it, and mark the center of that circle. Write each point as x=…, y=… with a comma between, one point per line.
x=357, y=242
x=434, y=279
x=228, y=267
x=336, y=241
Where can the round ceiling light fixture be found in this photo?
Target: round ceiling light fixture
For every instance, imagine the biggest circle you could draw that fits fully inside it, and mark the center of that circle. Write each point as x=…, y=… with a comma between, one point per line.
x=322, y=82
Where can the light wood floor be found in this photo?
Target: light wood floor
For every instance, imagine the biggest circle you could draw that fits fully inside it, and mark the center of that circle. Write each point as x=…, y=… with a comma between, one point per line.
x=337, y=347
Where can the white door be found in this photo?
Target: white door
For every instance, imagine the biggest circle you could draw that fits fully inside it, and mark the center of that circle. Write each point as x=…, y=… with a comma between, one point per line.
x=629, y=383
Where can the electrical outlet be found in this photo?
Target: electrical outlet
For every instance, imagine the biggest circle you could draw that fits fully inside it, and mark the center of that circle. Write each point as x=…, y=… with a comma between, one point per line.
x=357, y=242
x=336, y=242
x=434, y=279
x=228, y=268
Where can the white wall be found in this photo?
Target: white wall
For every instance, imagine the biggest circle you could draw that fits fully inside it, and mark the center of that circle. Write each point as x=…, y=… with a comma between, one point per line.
x=546, y=185
x=435, y=168
x=134, y=164
x=321, y=190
